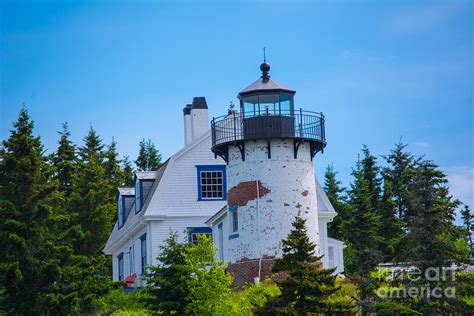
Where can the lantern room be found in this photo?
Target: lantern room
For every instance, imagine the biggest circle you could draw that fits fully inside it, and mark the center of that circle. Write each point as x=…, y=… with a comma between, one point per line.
x=266, y=97
x=267, y=112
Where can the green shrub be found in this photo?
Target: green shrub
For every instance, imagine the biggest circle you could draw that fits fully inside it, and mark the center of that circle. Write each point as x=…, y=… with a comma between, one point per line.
x=117, y=302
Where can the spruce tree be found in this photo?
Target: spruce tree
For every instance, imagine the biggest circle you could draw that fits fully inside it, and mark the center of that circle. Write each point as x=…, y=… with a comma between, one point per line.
x=127, y=172
x=371, y=174
x=166, y=288
x=154, y=157
x=467, y=217
x=112, y=167
x=432, y=236
x=29, y=199
x=398, y=173
x=432, y=212
x=307, y=285
x=64, y=160
x=149, y=158
x=142, y=159
x=334, y=192
x=93, y=149
x=391, y=231
x=363, y=238
x=90, y=200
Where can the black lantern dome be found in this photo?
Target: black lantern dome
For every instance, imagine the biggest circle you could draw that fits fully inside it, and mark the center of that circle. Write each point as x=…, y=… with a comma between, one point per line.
x=267, y=112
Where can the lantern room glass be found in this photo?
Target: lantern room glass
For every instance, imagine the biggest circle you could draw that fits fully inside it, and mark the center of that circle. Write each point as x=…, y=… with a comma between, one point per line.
x=267, y=104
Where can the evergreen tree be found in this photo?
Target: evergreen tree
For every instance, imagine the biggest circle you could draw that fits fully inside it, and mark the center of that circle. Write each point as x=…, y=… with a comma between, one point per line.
x=432, y=211
x=127, y=172
x=391, y=230
x=371, y=171
x=92, y=149
x=112, y=167
x=307, y=285
x=363, y=239
x=28, y=203
x=466, y=216
x=148, y=157
x=335, y=192
x=90, y=200
x=154, y=158
x=64, y=161
x=433, y=242
x=142, y=159
x=166, y=289
x=398, y=173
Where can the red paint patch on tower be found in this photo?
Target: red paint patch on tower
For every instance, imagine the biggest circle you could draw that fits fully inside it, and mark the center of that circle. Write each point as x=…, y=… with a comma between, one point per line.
x=246, y=191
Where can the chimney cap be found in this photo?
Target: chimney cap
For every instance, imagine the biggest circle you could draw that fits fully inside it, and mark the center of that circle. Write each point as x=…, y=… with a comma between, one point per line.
x=199, y=103
x=187, y=109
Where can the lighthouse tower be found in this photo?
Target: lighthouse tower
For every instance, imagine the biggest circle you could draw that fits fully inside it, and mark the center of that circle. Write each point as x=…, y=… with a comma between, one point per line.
x=269, y=148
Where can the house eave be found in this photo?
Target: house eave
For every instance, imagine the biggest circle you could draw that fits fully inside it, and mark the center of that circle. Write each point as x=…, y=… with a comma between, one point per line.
x=216, y=216
x=126, y=235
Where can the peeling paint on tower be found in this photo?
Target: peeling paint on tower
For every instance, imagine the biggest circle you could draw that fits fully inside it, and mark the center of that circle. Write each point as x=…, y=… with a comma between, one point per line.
x=246, y=191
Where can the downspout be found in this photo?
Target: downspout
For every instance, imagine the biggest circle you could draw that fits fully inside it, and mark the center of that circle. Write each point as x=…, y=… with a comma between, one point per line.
x=258, y=229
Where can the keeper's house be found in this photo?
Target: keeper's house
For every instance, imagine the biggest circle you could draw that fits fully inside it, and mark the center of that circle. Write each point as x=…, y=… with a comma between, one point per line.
x=259, y=159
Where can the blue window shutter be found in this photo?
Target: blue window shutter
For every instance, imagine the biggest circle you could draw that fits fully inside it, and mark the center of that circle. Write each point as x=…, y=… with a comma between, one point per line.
x=120, y=267
x=143, y=252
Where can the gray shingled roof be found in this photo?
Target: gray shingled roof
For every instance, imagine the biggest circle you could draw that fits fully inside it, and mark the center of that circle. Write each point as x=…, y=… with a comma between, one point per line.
x=146, y=175
x=133, y=218
x=126, y=191
x=266, y=84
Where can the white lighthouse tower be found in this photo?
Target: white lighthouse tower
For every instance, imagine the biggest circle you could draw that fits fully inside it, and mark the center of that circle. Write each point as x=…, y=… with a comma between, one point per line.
x=269, y=148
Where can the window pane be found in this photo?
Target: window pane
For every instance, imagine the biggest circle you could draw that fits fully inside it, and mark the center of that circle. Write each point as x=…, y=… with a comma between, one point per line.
x=211, y=184
x=235, y=221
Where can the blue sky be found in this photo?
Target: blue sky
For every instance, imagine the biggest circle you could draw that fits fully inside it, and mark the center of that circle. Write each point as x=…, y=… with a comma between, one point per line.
x=379, y=70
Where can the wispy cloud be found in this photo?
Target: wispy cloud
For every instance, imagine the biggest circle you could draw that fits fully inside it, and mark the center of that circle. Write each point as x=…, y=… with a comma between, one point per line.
x=461, y=182
x=422, y=144
x=416, y=19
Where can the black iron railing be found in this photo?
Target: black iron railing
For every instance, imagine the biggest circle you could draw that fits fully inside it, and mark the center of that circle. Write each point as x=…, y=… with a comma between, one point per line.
x=238, y=126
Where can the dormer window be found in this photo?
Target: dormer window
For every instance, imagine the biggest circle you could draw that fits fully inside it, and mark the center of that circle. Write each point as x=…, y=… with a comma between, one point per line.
x=121, y=212
x=125, y=198
x=138, y=196
x=143, y=182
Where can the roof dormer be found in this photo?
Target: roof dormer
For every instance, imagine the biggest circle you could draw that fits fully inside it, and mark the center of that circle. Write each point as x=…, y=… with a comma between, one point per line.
x=125, y=199
x=143, y=181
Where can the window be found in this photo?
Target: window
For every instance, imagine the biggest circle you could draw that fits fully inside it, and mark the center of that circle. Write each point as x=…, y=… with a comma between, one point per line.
x=211, y=182
x=131, y=258
x=193, y=233
x=331, y=257
x=120, y=266
x=220, y=234
x=121, y=212
x=138, y=196
x=143, y=251
x=234, y=222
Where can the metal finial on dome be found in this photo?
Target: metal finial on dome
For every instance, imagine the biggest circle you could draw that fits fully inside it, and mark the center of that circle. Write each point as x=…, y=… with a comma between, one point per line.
x=265, y=67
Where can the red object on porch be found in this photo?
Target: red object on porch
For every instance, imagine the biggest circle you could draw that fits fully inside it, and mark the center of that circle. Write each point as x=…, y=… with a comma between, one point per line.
x=130, y=280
